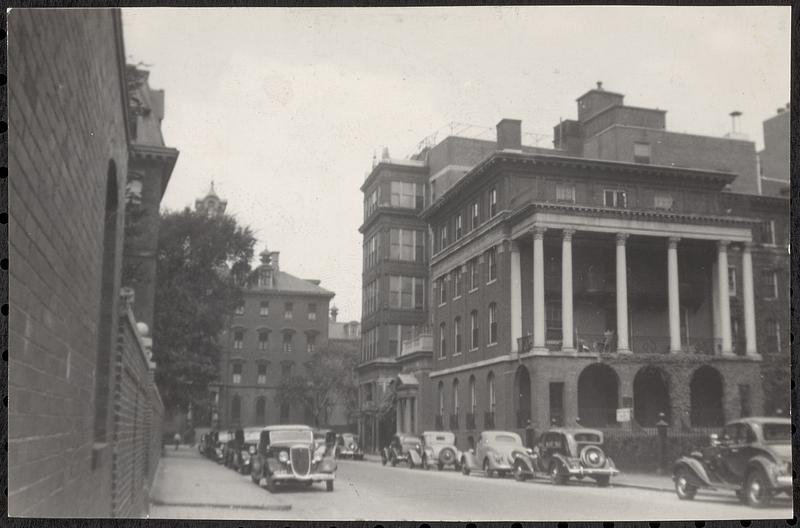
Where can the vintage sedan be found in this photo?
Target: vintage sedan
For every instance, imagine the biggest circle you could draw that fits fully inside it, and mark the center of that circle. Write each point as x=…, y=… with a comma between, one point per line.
x=753, y=457
x=286, y=454
x=563, y=453
x=494, y=453
x=347, y=447
x=439, y=449
x=403, y=449
x=221, y=448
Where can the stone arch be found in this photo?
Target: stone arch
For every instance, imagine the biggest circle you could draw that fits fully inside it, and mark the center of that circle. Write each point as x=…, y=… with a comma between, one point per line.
x=522, y=396
x=598, y=395
x=706, y=389
x=651, y=395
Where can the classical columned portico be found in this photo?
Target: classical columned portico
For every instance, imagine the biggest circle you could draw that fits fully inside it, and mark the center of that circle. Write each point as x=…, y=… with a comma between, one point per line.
x=539, y=337
x=622, y=294
x=567, y=328
x=673, y=296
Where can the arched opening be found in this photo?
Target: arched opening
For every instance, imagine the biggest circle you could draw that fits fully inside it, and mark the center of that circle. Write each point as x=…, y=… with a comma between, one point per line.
x=261, y=410
x=598, y=394
x=108, y=293
x=522, y=393
x=650, y=396
x=706, y=398
x=236, y=409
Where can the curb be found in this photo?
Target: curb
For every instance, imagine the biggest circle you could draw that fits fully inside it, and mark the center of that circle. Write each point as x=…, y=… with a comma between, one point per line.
x=187, y=504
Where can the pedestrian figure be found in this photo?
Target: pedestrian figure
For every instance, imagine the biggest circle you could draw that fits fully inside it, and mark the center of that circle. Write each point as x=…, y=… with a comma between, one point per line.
x=177, y=440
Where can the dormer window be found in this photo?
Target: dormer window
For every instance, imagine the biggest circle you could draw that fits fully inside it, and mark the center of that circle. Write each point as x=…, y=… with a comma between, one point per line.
x=265, y=278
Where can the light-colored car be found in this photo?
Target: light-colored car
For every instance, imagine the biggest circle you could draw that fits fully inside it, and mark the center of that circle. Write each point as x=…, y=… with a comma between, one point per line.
x=494, y=453
x=347, y=447
x=286, y=454
x=439, y=449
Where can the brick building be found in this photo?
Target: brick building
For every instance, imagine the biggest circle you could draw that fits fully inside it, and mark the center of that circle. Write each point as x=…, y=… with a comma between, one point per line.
x=628, y=268
x=84, y=413
x=774, y=159
x=271, y=336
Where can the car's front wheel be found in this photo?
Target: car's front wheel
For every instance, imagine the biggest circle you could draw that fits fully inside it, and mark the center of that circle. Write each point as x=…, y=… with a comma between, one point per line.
x=519, y=472
x=683, y=488
x=487, y=468
x=557, y=475
x=464, y=467
x=757, y=489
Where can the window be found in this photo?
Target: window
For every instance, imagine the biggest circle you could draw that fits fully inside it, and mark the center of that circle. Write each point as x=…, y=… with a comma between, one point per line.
x=407, y=245
x=443, y=237
x=473, y=329
x=370, y=297
x=398, y=334
x=265, y=278
x=476, y=219
x=473, y=274
x=238, y=339
x=286, y=370
x=457, y=335
x=236, y=378
x=473, y=400
x=442, y=340
x=773, y=335
x=240, y=309
x=615, y=198
x=262, y=374
x=407, y=195
x=744, y=401
x=663, y=200
x=441, y=398
x=370, y=344
x=491, y=265
x=458, y=280
x=492, y=323
x=732, y=281
x=406, y=292
x=263, y=308
x=287, y=342
x=442, y=283
x=368, y=392
x=263, y=340
x=768, y=232
x=287, y=310
x=641, y=152
x=459, y=227
x=456, y=403
x=371, y=251
x=492, y=203
x=311, y=342
x=312, y=311
x=371, y=202
x=490, y=390
x=772, y=285
x=553, y=320
x=565, y=192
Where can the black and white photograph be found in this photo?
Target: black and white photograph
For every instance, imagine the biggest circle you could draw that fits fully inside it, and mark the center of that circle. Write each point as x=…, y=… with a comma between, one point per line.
x=431, y=263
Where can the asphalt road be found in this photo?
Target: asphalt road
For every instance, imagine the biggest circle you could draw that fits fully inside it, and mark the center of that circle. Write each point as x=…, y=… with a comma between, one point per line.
x=366, y=490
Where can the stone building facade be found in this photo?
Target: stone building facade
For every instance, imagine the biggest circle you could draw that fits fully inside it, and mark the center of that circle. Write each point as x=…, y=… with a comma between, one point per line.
x=75, y=347
x=629, y=268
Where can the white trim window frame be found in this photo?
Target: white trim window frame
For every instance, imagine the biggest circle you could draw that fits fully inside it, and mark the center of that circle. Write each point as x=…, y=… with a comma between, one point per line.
x=618, y=198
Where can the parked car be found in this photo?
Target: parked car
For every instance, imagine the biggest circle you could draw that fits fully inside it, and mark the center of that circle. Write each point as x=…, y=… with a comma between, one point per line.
x=233, y=453
x=494, y=453
x=403, y=449
x=208, y=445
x=324, y=441
x=221, y=447
x=563, y=453
x=247, y=449
x=287, y=454
x=439, y=449
x=347, y=447
x=752, y=457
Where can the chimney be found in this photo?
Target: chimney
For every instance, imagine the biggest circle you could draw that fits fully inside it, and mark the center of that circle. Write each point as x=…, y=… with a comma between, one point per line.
x=599, y=85
x=334, y=313
x=509, y=134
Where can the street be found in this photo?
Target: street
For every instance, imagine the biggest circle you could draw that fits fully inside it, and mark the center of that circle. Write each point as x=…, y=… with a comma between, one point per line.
x=190, y=486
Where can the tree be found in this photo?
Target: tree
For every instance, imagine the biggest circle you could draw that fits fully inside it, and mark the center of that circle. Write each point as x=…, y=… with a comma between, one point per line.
x=203, y=263
x=329, y=378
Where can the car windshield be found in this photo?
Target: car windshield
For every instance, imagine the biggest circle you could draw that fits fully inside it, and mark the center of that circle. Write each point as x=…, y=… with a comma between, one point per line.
x=587, y=437
x=347, y=438
x=777, y=433
x=410, y=440
x=506, y=439
x=296, y=435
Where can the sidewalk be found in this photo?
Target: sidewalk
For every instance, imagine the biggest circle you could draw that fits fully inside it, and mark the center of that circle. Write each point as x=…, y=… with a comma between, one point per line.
x=647, y=481
x=186, y=479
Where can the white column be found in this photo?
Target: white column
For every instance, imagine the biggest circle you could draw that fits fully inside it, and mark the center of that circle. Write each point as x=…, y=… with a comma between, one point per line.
x=749, y=307
x=539, y=341
x=622, y=295
x=674, y=296
x=724, y=296
x=399, y=416
x=516, y=297
x=567, y=331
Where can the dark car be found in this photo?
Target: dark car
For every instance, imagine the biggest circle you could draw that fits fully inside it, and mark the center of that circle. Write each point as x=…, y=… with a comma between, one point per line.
x=563, y=453
x=233, y=451
x=247, y=448
x=347, y=446
x=752, y=457
x=439, y=449
x=221, y=447
x=403, y=449
x=287, y=454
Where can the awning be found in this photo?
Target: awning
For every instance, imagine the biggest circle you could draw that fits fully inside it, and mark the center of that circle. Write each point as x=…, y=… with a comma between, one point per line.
x=408, y=379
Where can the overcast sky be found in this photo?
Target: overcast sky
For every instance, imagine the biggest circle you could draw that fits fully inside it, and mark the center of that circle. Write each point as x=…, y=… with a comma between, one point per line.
x=284, y=108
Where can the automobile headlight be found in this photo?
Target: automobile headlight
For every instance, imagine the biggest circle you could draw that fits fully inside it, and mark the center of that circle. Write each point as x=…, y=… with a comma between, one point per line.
x=246, y=456
x=352, y=446
x=317, y=457
x=283, y=456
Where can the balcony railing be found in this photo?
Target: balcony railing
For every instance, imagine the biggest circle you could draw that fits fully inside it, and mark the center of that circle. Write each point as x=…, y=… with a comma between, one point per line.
x=439, y=423
x=488, y=420
x=454, y=422
x=421, y=340
x=470, y=421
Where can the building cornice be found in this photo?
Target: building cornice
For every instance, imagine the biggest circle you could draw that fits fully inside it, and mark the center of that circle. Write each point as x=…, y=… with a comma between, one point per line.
x=411, y=165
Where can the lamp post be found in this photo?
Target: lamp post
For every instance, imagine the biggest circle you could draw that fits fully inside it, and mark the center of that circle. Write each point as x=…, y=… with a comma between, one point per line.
x=661, y=426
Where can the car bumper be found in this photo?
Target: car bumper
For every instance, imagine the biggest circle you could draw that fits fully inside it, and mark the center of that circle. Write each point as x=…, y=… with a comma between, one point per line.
x=783, y=482
x=592, y=472
x=314, y=477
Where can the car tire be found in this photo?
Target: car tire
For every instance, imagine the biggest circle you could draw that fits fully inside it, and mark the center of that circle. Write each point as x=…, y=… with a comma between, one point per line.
x=519, y=472
x=253, y=476
x=603, y=481
x=557, y=475
x=683, y=488
x=464, y=468
x=272, y=486
x=487, y=469
x=757, y=489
